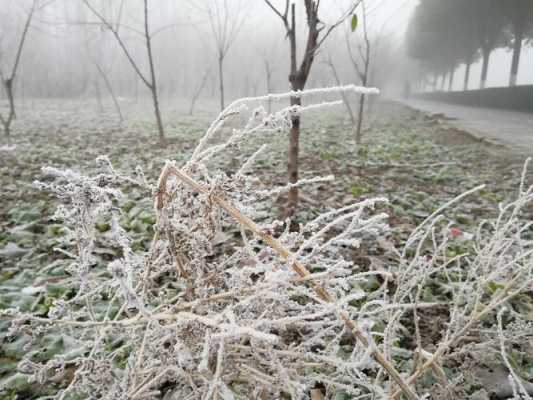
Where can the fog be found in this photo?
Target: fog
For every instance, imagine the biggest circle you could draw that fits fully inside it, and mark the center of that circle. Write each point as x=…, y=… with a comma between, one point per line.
x=266, y=199
x=66, y=43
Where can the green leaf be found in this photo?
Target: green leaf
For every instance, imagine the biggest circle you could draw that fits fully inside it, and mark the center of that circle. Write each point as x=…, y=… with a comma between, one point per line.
x=355, y=22
x=493, y=286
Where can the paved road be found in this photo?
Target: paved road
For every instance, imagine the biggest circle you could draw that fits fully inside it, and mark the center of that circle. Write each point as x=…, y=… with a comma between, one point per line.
x=509, y=128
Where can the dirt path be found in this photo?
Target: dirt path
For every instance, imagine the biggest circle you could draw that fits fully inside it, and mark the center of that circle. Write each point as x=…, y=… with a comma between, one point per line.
x=513, y=130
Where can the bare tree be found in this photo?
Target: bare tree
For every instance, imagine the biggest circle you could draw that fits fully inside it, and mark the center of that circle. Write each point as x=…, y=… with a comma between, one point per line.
x=198, y=90
x=8, y=79
x=226, y=18
x=346, y=101
x=269, y=67
x=102, y=71
x=362, y=68
x=451, y=78
x=317, y=33
x=150, y=82
x=104, y=75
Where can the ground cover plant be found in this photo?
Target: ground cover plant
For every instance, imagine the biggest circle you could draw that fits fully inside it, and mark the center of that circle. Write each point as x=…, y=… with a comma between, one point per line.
x=188, y=286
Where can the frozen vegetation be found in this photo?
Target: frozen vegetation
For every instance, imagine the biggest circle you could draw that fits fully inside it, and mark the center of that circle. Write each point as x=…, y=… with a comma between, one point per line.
x=178, y=279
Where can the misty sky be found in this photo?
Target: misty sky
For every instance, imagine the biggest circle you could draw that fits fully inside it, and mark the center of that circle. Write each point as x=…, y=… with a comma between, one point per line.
x=394, y=15
x=59, y=53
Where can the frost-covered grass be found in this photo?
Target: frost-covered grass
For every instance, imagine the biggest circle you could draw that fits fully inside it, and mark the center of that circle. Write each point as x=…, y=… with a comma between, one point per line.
x=186, y=322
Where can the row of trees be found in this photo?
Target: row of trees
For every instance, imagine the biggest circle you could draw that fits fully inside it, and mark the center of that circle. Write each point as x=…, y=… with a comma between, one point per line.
x=442, y=35
x=225, y=19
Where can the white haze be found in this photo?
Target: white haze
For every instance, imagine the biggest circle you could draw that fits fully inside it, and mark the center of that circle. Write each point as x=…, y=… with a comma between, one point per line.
x=62, y=50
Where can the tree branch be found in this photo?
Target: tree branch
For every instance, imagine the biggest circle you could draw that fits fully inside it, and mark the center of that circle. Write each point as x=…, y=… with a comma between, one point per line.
x=121, y=43
x=285, y=16
x=22, y=41
x=343, y=18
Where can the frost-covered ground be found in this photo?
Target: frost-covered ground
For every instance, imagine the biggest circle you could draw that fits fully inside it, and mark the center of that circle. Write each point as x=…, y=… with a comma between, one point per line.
x=416, y=162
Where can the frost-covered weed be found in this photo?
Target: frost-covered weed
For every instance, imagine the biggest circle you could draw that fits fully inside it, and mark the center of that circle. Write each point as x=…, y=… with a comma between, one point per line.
x=281, y=313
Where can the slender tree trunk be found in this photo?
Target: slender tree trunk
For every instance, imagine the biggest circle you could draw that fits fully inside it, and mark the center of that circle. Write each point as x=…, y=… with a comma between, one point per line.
x=98, y=96
x=298, y=78
x=364, y=81
x=157, y=111
x=358, y=132
x=193, y=103
x=11, y=98
x=443, y=81
x=268, y=85
x=109, y=88
x=197, y=91
x=485, y=68
x=452, y=78
x=343, y=94
x=153, y=83
x=221, y=80
x=467, y=75
x=294, y=135
x=517, y=50
x=294, y=151
x=6, y=122
x=362, y=99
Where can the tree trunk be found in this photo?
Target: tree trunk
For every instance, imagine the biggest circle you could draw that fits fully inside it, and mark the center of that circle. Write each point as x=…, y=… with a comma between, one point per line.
x=6, y=122
x=517, y=50
x=294, y=135
x=98, y=96
x=294, y=151
x=221, y=80
x=443, y=81
x=198, y=91
x=452, y=78
x=109, y=88
x=362, y=98
x=485, y=68
x=343, y=94
x=153, y=83
x=11, y=98
x=158, y=118
x=298, y=78
x=467, y=75
x=268, y=85
x=360, y=120
x=191, y=106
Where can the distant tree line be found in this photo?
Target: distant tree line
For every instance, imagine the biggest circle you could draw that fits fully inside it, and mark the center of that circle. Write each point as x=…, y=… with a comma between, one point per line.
x=442, y=35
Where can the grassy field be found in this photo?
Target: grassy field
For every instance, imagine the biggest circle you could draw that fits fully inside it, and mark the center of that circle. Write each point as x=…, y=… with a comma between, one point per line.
x=415, y=161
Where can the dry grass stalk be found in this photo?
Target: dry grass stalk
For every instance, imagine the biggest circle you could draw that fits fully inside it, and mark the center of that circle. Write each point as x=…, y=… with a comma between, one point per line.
x=298, y=267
